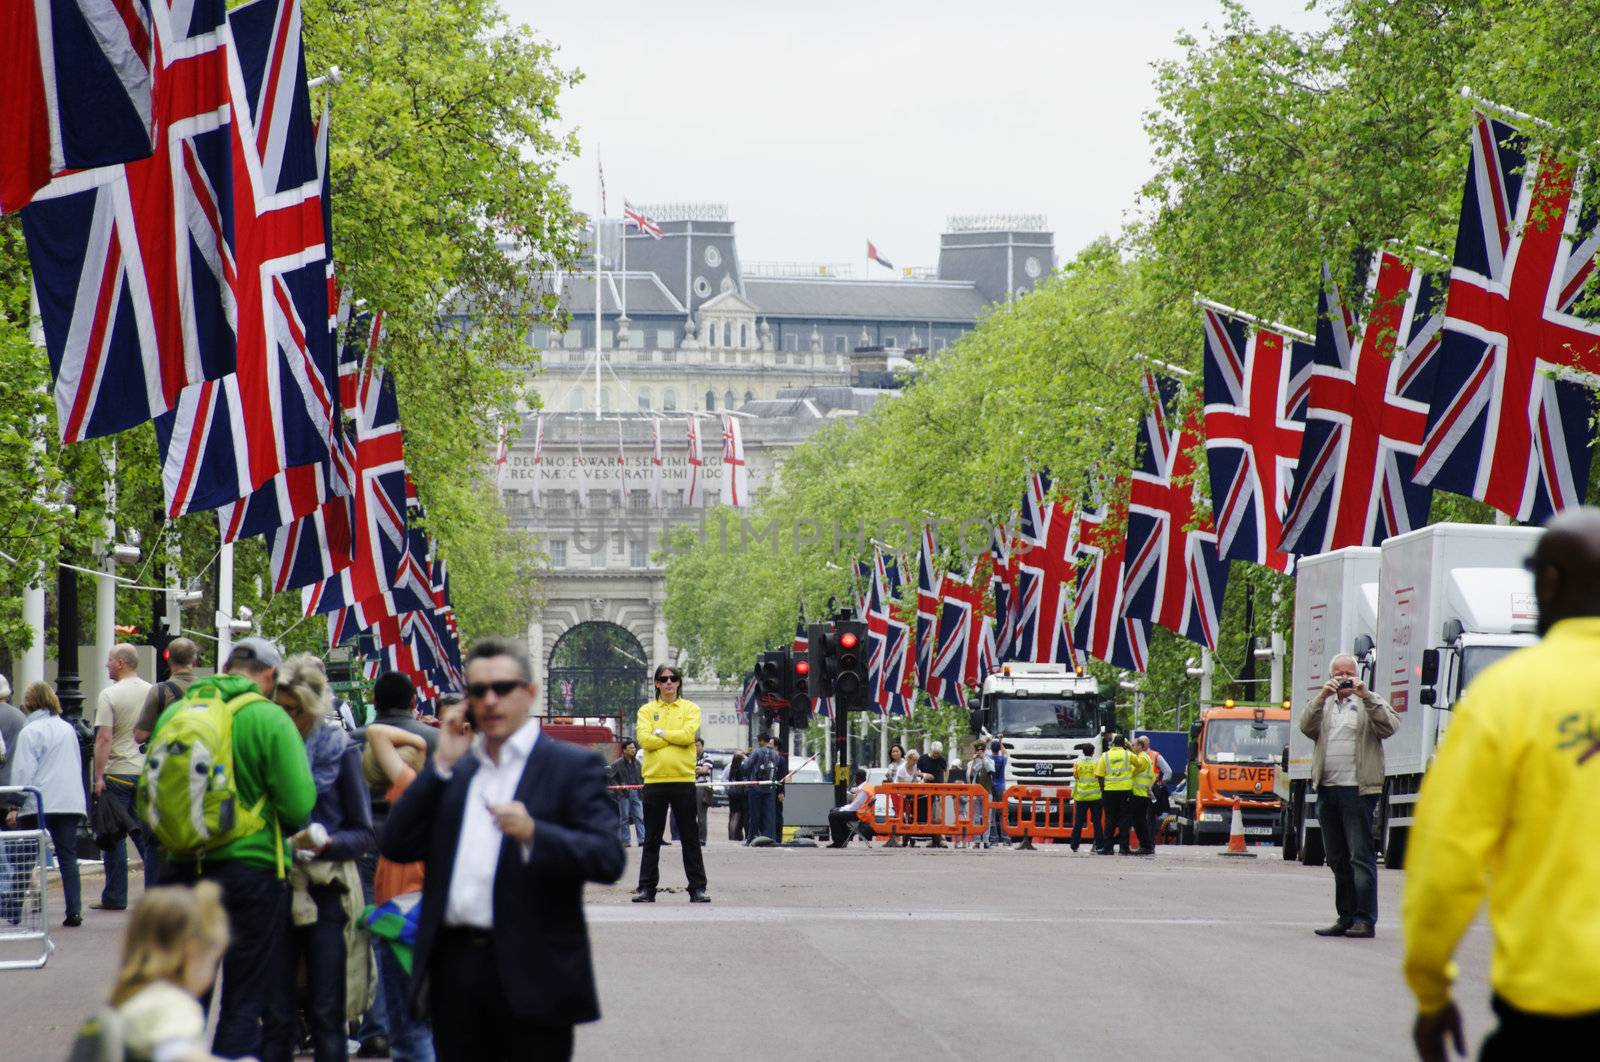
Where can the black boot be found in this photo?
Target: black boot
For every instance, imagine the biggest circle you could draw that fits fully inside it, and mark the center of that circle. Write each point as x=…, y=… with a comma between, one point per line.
x=644, y=896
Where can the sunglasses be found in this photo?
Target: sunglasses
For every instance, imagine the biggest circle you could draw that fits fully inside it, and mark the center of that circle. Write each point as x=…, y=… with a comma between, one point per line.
x=668, y=678
x=504, y=688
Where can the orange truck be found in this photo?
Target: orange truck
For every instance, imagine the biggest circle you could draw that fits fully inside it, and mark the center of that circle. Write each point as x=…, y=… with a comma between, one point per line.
x=1234, y=752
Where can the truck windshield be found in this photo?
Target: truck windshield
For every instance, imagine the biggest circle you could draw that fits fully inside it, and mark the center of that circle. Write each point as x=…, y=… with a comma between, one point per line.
x=1048, y=717
x=1240, y=741
x=1474, y=658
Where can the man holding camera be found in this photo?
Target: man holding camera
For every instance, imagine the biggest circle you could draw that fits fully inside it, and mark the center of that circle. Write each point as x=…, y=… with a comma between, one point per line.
x=1349, y=722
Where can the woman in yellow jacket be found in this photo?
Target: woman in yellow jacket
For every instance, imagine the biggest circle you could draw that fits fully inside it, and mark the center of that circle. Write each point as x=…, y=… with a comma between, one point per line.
x=666, y=728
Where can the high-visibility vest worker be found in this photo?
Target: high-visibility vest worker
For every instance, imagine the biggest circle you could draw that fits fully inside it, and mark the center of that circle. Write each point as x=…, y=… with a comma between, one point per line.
x=1115, y=770
x=1085, y=783
x=1144, y=774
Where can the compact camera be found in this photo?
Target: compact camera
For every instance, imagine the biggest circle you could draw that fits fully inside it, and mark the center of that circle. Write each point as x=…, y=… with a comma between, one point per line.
x=1347, y=684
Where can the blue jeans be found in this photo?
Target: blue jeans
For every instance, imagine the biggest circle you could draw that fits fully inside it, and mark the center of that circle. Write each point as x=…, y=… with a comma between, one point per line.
x=763, y=804
x=63, y=830
x=630, y=809
x=120, y=787
x=1345, y=817
x=375, y=1021
x=410, y=1037
x=321, y=946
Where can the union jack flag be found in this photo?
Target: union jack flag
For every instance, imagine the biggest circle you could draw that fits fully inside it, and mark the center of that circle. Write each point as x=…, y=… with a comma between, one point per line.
x=929, y=584
x=134, y=263
x=1504, y=426
x=749, y=700
x=77, y=90
x=961, y=616
x=875, y=611
x=638, y=219
x=1174, y=575
x=1256, y=383
x=1047, y=568
x=221, y=443
x=1098, y=623
x=1004, y=549
x=1366, y=416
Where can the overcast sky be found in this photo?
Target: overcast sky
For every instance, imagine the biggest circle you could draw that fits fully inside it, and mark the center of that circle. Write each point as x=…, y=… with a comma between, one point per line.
x=824, y=124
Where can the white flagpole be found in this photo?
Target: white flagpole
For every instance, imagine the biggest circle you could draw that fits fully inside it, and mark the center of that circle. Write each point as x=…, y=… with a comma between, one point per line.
x=599, y=198
x=30, y=665
x=224, y=604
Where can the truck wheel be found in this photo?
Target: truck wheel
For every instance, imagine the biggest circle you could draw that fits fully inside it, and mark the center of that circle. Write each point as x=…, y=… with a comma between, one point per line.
x=1186, y=834
x=1288, y=835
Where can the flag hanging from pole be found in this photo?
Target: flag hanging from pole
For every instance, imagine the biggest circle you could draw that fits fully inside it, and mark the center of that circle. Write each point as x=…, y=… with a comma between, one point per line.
x=538, y=454
x=583, y=473
x=736, y=476
x=655, y=464
x=874, y=256
x=696, y=465
x=638, y=219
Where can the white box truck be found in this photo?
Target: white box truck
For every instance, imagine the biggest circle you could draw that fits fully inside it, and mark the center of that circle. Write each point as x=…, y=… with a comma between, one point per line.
x=1044, y=714
x=1450, y=599
x=1453, y=599
x=1335, y=605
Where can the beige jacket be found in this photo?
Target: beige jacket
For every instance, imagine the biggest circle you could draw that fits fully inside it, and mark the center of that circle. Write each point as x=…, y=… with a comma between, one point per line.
x=1374, y=724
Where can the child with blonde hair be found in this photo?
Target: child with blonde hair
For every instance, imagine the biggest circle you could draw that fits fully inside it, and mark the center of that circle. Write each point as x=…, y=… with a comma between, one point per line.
x=170, y=954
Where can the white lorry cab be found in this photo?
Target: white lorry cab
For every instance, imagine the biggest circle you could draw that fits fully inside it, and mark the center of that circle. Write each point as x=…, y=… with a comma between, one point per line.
x=1451, y=599
x=1046, y=716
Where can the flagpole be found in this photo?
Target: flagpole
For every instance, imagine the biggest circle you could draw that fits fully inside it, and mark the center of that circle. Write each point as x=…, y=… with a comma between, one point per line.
x=30, y=667
x=224, y=604
x=599, y=198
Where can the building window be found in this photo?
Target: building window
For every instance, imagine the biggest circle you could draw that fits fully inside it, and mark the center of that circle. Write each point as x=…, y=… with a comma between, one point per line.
x=557, y=500
x=744, y=336
x=558, y=553
x=891, y=343
x=841, y=344
x=538, y=338
x=669, y=399
x=665, y=339
x=729, y=399
x=637, y=555
x=713, y=498
x=714, y=334
x=572, y=339
x=636, y=339
x=638, y=500
x=605, y=398
x=749, y=396
x=940, y=343
x=711, y=400
x=574, y=401
x=791, y=343
x=644, y=401
x=597, y=558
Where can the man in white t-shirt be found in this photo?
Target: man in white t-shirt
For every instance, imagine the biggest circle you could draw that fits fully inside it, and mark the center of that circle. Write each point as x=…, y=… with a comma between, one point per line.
x=118, y=761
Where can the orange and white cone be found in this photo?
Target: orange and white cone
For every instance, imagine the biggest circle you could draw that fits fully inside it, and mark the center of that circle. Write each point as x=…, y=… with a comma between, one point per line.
x=1236, y=846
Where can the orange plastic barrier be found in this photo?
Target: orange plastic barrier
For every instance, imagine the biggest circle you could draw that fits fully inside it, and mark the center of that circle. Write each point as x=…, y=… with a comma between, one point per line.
x=929, y=810
x=1032, y=814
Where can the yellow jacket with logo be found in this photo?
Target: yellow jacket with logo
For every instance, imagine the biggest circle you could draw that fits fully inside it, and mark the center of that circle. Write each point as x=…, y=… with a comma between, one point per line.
x=1085, y=783
x=1508, y=811
x=1116, y=770
x=670, y=757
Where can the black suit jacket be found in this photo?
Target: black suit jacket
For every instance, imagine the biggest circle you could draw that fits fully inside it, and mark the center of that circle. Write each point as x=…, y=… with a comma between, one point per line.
x=541, y=944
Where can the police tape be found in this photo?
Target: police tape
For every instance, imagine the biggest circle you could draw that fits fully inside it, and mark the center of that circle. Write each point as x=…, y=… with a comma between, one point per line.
x=706, y=785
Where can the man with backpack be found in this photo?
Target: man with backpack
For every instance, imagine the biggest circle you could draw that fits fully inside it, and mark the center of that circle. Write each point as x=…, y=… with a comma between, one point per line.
x=763, y=766
x=234, y=831
x=181, y=656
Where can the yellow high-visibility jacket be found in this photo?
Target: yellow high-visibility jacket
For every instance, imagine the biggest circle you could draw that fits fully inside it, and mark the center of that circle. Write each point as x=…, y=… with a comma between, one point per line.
x=1115, y=770
x=670, y=757
x=1508, y=811
x=1085, y=783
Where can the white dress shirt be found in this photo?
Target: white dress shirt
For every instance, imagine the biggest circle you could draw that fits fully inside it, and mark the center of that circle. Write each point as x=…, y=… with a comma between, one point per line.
x=471, y=900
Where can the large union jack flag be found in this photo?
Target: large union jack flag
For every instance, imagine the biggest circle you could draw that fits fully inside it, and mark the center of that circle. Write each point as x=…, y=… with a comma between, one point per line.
x=134, y=264
x=1045, y=558
x=961, y=627
x=1175, y=576
x=1504, y=426
x=280, y=408
x=75, y=90
x=1099, y=626
x=1366, y=415
x=929, y=582
x=1256, y=383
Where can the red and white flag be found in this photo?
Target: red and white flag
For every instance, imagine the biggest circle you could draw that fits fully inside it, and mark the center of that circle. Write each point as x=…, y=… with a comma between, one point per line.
x=736, y=475
x=696, y=464
x=538, y=454
x=655, y=464
x=583, y=476
x=502, y=451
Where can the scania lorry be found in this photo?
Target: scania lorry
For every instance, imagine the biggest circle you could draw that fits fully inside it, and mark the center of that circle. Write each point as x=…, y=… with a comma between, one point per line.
x=1043, y=714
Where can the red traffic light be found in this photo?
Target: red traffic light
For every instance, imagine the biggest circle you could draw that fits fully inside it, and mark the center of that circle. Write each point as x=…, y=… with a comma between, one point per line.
x=802, y=667
x=847, y=640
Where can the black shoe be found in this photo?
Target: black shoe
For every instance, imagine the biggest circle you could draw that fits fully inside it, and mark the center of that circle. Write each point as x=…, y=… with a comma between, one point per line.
x=108, y=907
x=1361, y=930
x=377, y=1047
x=645, y=896
x=1105, y=851
x=937, y=842
x=73, y=921
x=698, y=896
x=1338, y=929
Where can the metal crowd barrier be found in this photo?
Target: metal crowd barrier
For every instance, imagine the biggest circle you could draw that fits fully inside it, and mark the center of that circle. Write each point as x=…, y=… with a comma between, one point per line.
x=957, y=811
x=24, y=890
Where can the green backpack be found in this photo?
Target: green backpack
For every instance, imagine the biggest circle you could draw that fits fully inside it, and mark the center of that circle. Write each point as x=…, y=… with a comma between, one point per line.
x=188, y=793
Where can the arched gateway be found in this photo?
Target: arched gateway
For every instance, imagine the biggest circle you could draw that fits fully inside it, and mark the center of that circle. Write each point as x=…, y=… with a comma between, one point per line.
x=597, y=669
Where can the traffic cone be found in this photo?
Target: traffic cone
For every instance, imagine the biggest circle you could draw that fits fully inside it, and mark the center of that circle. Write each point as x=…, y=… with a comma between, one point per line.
x=1236, y=846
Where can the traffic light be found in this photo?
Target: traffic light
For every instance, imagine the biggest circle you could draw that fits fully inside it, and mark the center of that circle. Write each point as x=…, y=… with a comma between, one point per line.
x=838, y=663
x=772, y=680
x=799, y=691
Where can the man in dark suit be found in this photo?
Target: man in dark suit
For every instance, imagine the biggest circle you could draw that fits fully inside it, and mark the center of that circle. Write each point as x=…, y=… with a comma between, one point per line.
x=511, y=825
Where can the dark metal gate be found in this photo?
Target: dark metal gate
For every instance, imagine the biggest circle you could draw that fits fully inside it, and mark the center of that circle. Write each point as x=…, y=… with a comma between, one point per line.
x=598, y=670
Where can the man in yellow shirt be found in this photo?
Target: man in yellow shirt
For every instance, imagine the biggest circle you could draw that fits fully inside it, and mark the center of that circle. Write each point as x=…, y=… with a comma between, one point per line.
x=666, y=728
x=1507, y=811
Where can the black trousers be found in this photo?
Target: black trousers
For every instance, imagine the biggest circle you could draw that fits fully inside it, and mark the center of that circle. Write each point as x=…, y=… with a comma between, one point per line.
x=1119, y=808
x=680, y=797
x=472, y=1019
x=1092, y=812
x=1139, y=820
x=841, y=824
x=1520, y=1030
